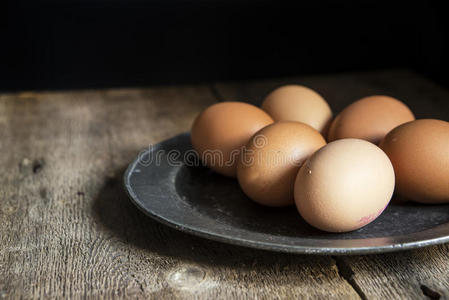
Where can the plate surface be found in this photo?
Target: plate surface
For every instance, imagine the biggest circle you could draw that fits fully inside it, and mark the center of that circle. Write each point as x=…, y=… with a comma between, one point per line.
x=167, y=183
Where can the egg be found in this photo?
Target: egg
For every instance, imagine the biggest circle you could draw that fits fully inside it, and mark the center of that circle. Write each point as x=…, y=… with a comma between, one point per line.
x=270, y=161
x=220, y=131
x=298, y=103
x=419, y=152
x=369, y=118
x=344, y=186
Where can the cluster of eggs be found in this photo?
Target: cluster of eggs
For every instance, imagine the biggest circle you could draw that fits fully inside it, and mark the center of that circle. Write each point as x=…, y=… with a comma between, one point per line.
x=340, y=172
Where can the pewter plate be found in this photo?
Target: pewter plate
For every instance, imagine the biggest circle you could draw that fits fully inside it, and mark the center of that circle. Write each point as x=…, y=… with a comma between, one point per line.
x=166, y=185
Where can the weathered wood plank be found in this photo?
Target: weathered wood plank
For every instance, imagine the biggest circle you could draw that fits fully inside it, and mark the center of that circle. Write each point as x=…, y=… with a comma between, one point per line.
x=408, y=275
x=67, y=229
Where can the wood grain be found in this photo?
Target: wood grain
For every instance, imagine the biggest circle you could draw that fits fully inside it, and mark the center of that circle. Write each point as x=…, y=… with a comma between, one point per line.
x=68, y=230
x=407, y=275
x=416, y=274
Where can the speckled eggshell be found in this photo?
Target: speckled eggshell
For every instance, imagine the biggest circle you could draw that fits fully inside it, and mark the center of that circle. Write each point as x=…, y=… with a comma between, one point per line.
x=298, y=103
x=419, y=152
x=344, y=185
x=220, y=131
x=370, y=119
x=268, y=166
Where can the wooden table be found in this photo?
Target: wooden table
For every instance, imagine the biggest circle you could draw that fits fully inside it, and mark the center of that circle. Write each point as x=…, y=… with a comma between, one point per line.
x=69, y=230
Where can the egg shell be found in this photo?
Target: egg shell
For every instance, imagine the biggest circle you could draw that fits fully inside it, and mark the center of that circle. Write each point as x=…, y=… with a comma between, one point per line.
x=298, y=103
x=220, y=131
x=419, y=152
x=344, y=185
x=369, y=118
x=268, y=166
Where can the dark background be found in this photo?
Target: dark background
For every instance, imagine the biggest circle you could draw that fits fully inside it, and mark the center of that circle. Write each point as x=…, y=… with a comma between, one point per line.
x=53, y=44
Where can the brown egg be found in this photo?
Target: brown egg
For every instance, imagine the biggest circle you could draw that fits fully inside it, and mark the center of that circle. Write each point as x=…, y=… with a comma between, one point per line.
x=298, y=103
x=270, y=161
x=369, y=118
x=419, y=152
x=344, y=185
x=220, y=131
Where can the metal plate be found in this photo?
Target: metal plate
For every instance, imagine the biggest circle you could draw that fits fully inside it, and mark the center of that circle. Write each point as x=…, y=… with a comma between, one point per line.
x=163, y=184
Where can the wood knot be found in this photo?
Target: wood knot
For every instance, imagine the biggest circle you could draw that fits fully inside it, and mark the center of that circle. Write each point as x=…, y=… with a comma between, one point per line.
x=432, y=294
x=187, y=277
x=28, y=166
x=38, y=164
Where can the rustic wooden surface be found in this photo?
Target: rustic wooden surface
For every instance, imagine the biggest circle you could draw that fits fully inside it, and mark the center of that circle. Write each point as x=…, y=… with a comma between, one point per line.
x=67, y=228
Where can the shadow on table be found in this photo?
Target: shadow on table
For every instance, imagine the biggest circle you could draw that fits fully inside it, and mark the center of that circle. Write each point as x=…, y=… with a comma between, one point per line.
x=113, y=209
